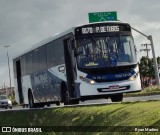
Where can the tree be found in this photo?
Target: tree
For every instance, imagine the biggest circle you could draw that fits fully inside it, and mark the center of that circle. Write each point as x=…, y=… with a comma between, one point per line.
x=146, y=68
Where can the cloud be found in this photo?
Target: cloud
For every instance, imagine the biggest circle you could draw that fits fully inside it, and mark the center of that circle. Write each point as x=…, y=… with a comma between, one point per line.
x=146, y=9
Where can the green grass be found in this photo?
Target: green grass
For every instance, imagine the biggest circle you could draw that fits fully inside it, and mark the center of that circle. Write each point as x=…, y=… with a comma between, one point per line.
x=120, y=114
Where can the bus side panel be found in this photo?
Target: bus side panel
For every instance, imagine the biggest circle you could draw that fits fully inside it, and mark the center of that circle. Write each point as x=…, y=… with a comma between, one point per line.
x=54, y=84
x=46, y=87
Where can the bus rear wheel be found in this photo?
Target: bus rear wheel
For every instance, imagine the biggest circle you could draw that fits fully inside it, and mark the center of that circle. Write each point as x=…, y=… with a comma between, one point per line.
x=58, y=103
x=116, y=97
x=31, y=100
x=40, y=105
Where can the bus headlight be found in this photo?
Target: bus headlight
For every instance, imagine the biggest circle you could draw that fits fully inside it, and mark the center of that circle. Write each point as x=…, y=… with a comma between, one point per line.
x=87, y=80
x=92, y=82
x=133, y=77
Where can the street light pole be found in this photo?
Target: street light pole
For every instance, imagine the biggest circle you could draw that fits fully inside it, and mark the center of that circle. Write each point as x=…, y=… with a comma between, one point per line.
x=153, y=53
x=154, y=60
x=6, y=46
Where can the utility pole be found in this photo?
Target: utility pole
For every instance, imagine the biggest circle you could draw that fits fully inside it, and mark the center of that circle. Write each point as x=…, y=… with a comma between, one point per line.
x=6, y=46
x=146, y=50
x=153, y=53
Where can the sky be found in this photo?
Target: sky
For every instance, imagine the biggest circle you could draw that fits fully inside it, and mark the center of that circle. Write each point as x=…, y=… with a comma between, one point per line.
x=24, y=23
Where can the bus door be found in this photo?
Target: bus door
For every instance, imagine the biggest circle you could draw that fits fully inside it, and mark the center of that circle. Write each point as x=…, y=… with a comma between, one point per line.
x=19, y=83
x=70, y=68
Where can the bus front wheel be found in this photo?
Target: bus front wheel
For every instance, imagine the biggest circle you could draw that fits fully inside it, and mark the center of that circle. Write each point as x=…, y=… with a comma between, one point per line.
x=76, y=101
x=66, y=98
x=116, y=97
x=58, y=103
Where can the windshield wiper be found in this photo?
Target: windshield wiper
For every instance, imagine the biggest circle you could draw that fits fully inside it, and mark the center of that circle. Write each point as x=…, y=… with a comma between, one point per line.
x=117, y=52
x=108, y=50
x=96, y=43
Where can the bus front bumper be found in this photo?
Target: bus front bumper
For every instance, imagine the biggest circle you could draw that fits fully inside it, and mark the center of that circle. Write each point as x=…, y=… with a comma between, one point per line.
x=110, y=88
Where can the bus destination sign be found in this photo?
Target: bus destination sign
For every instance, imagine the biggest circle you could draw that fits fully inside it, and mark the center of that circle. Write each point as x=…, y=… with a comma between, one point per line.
x=102, y=28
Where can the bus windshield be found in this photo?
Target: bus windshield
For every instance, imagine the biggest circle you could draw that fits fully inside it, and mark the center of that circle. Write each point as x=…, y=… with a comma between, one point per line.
x=100, y=52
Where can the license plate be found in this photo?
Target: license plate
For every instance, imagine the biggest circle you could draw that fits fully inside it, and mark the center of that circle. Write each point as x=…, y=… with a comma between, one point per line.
x=114, y=87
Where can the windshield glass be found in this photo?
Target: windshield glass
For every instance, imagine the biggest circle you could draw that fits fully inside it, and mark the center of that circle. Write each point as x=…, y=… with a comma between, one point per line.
x=95, y=52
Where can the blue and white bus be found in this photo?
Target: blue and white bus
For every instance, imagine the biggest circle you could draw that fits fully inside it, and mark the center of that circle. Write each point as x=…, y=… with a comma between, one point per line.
x=85, y=62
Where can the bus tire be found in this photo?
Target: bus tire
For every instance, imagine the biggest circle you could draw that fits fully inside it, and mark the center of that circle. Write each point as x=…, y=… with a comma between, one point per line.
x=66, y=97
x=31, y=100
x=58, y=103
x=24, y=105
x=65, y=94
x=48, y=105
x=76, y=101
x=116, y=97
x=40, y=105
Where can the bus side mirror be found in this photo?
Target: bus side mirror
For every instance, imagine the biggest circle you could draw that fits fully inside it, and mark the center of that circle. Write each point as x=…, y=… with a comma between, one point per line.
x=74, y=47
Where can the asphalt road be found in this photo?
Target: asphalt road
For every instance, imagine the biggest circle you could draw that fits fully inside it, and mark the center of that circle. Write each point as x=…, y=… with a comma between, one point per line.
x=92, y=102
x=126, y=99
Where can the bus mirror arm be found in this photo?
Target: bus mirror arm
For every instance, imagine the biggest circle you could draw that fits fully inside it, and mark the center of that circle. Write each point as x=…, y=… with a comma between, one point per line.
x=74, y=48
x=135, y=48
x=72, y=44
x=75, y=53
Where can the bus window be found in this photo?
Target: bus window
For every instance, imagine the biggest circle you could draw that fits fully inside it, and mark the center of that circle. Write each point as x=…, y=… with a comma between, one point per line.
x=29, y=69
x=50, y=54
x=42, y=58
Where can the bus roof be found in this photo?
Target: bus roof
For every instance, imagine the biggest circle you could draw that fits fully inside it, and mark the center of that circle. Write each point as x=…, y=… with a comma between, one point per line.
x=45, y=41
x=58, y=35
